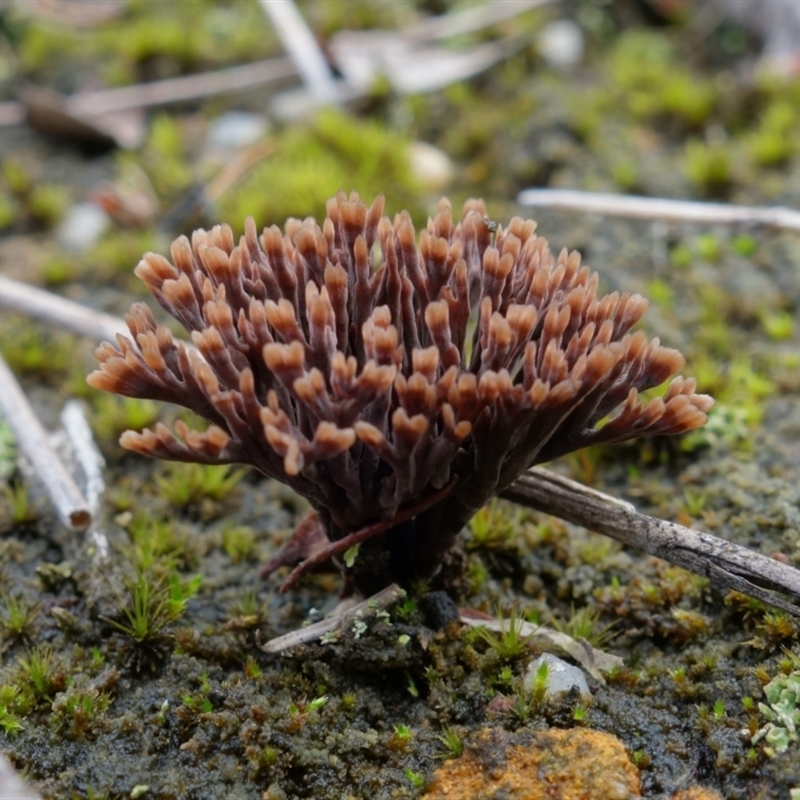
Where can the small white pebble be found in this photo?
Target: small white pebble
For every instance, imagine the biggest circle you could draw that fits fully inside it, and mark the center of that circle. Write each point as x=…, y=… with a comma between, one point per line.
x=561, y=677
x=560, y=44
x=82, y=226
x=236, y=129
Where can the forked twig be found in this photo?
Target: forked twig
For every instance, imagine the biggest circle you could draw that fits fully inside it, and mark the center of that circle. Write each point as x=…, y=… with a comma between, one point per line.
x=726, y=564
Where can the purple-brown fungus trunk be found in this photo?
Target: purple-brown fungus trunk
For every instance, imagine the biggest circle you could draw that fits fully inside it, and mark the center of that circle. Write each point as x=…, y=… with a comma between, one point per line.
x=377, y=373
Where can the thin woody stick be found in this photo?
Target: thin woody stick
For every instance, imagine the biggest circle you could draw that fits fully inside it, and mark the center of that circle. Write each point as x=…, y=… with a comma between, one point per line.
x=660, y=208
x=170, y=90
x=727, y=564
x=23, y=298
x=67, y=498
x=301, y=45
x=337, y=619
x=359, y=536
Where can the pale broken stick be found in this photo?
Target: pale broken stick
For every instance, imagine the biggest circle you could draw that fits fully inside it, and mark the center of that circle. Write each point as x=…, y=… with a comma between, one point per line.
x=729, y=564
x=659, y=208
x=306, y=54
x=33, y=443
x=22, y=298
x=726, y=564
x=344, y=611
x=171, y=90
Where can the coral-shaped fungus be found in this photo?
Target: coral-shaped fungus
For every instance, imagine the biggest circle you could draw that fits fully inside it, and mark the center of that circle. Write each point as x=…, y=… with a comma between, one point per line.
x=397, y=388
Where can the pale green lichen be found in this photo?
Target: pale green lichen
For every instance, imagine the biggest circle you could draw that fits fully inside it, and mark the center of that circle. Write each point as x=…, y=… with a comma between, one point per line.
x=782, y=711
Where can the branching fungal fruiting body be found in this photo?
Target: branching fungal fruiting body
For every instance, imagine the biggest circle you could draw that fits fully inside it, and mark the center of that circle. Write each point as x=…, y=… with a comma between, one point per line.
x=398, y=388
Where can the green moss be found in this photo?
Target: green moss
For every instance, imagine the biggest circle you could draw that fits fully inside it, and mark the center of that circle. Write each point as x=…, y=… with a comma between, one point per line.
x=708, y=167
x=708, y=247
x=681, y=256
x=41, y=44
x=494, y=526
x=238, y=542
x=164, y=157
x=183, y=484
x=510, y=643
x=660, y=292
x=776, y=140
x=17, y=616
x=160, y=543
x=113, y=415
x=585, y=624
x=453, y=744
x=31, y=350
x=8, y=211
x=313, y=162
x=744, y=245
x=117, y=253
x=17, y=503
x=646, y=72
x=47, y=204
x=38, y=203
x=778, y=325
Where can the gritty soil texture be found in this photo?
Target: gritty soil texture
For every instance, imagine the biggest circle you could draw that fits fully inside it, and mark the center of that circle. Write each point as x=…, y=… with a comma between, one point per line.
x=190, y=706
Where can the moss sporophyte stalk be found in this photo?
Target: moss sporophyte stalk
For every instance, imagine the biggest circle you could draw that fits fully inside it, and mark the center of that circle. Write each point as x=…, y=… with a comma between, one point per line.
x=397, y=382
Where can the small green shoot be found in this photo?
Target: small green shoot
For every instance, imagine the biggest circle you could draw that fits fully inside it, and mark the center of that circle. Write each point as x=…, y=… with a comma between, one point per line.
x=350, y=555
x=585, y=624
x=403, y=732
x=238, y=542
x=405, y=610
x=452, y=742
x=416, y=779
x=21, y=508
x=579, y=714
x=9, y=719
x=183, y=484
x=16, y=616
x=538, y=689
x=152, y=607
x=509, y=643
x=492, y=527
x=35, y=671
x=778, y=325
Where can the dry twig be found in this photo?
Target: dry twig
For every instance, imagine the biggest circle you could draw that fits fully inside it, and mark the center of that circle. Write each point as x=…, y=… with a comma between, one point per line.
x=172, y=90
x=47, y=307
x=660, y=208
x=303, y=49
x=346, y=611
x=32, y=439
x=725, y=563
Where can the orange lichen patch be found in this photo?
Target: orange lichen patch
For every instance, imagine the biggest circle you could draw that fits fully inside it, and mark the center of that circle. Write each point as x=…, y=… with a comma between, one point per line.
x=697, y=793
x=555, y=764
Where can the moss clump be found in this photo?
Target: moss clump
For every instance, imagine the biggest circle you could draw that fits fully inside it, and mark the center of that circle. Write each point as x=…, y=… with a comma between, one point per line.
x=315, y=161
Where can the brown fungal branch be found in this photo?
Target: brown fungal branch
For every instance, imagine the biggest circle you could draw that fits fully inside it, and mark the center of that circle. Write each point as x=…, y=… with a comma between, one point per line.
x=369, y=383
